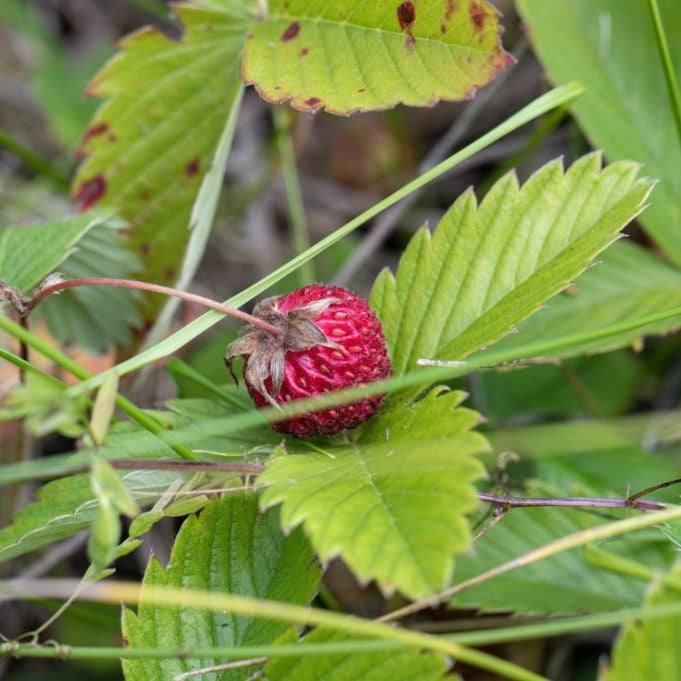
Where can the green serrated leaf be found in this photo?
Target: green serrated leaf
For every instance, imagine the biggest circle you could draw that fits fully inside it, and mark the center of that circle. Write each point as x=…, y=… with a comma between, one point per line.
x=230, y=547
x=153, y=139
x=370, y=502
x=649, y=649
x=103, y=409
x=626, y=108
x=564, y=583
x=98, y=318
x=28, y=254
x=399, y=665
x=629, y=283
x=105, y=531
x=488, y=267
x=346, y=57
x=65, y=507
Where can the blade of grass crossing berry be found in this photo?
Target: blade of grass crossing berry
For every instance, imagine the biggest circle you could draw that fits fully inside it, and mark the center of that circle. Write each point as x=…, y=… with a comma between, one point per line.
x=552, y=99
x=136, y=443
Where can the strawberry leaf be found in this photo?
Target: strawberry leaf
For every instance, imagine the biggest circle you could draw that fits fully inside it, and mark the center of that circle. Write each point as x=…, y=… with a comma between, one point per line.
x=626, y=109
x=488, y=267
x=397, y=665
x=67, y=506
x=229, y=548
x=29, y=253
x=392, y=504
x=564, y=583
x=346, y=56
x=650, y=649
x=75, y=315
x=153, y=139
x=630, y=283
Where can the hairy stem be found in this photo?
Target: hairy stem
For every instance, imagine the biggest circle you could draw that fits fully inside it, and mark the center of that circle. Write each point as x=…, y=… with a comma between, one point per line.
x=502, y=501
x=153, y=288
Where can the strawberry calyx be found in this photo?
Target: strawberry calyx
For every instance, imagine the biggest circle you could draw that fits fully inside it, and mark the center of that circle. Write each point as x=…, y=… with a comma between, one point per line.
x=266, y=351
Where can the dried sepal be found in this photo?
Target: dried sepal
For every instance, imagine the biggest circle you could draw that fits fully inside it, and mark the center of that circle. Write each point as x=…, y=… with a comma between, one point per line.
x=265, y=353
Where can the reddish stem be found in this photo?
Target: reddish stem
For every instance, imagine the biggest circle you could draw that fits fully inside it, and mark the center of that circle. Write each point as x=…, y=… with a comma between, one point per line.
x=574, y=502
x=503, y=502
x=154, y=288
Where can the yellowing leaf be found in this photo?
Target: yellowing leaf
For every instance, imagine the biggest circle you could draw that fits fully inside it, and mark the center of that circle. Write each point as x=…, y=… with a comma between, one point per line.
x=347, y=56
x=488, y=267
x=393, y=503
x=153, y=139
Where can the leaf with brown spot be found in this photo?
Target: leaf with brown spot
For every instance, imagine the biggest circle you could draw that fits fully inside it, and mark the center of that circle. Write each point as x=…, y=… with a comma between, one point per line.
x=368, y=56
x=150, y=143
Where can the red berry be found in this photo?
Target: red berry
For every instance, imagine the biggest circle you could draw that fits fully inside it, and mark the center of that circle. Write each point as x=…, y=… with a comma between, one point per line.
x=329, y=339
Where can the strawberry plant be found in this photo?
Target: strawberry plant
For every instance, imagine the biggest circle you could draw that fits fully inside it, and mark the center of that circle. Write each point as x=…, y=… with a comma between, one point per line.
x=428, y=437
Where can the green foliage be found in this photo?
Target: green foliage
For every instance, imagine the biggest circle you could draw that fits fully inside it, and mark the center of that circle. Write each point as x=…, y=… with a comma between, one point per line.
x=346, y=57
x=650, y=649
x=40, y=402
x=392, y=503
x=400, y=665
x=625, y=109
x=629, y=283
x=154, y=137
x=130, y=440
x=75, y=315
x=392, y=498
x=166, y=347
x=604, y=384
x=190, y=414
x=623, y=434
x=673, y=532
x=228, y=548
x=29, y=253
x=67, y=506
x=564, y=583
x=486, y=268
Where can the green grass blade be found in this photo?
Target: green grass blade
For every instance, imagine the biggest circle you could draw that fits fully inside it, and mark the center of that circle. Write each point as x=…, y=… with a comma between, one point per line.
x=552, y=99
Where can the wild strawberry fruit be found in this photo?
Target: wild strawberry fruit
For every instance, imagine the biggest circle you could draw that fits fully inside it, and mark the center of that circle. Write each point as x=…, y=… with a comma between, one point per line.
x=328, y=339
